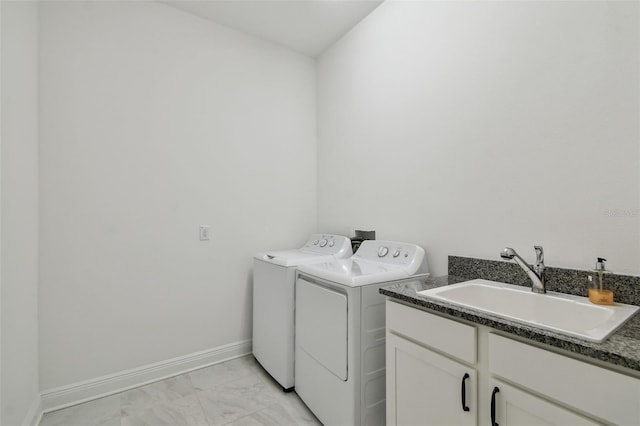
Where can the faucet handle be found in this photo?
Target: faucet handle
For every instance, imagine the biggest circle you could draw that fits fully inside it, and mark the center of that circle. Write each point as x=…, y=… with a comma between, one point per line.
x=539, y=255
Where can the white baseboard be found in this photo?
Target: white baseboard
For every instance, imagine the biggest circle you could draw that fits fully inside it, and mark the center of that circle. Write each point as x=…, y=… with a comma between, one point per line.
x=76, y=393
x=34, y=414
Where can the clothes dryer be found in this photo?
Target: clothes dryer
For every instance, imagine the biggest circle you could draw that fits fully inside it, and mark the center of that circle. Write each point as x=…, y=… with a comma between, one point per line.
x=273, y=301
x=340, y=330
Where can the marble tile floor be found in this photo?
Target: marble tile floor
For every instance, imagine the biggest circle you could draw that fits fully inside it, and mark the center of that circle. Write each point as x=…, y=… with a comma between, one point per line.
x=237, y=392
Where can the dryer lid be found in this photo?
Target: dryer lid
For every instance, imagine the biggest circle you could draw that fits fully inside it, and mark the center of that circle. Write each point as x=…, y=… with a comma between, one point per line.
x=355, y=272
x=376, y=261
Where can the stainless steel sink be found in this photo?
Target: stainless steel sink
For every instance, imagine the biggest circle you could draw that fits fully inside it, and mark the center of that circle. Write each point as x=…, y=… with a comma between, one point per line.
x=565, y=314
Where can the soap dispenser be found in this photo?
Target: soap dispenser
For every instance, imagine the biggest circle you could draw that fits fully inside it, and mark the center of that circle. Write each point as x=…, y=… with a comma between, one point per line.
x=599, y=291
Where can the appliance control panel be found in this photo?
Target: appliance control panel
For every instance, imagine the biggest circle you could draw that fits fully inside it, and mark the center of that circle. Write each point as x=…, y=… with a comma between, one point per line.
x=392, y=252
x=329, y=244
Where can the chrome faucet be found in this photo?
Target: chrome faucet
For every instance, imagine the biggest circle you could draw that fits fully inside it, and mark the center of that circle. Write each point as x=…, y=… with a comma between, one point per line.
x=535, y=272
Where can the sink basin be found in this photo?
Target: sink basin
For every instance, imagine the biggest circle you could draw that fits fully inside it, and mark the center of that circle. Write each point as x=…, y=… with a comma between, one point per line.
x=563, y=313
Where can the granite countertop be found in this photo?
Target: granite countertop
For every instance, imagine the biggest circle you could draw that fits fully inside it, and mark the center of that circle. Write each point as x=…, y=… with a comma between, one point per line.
x=622, y=348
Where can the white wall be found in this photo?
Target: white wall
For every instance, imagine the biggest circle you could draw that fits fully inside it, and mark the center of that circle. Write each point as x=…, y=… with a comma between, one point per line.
x=470, y=126
x=152, y=123
x=19, y=202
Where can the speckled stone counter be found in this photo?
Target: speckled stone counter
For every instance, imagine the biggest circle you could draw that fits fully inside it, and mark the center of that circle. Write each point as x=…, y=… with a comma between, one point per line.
x=622, y=348
x=571, y=281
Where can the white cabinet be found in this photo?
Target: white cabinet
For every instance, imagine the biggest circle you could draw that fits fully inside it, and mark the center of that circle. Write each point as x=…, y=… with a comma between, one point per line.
x=512, y=407
x=508, y=383
x=596, y=391
x=424, y=387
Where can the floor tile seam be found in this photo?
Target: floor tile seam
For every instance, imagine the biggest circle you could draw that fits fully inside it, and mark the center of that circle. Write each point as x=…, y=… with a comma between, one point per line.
x=144, y=407
x=227, y=383
x=234, y=378
x=261, y=408
x=279, y=406
x=206, y=413
x=158, y=403
x=155, y=402
x=239, y=418
x=169, y=406
x=206, y=416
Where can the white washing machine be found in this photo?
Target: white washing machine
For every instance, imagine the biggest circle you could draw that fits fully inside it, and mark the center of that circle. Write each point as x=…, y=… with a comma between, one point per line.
x=340, y=330
x=273, y=301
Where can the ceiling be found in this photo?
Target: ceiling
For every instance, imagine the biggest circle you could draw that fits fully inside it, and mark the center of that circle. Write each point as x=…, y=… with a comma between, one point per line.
x=306, y=26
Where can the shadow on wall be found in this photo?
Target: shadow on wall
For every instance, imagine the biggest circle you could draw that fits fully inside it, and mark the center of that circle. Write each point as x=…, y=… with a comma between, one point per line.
x=247, y=318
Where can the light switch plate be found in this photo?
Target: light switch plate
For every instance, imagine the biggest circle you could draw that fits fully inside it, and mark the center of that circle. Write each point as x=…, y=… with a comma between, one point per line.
x=205, y=233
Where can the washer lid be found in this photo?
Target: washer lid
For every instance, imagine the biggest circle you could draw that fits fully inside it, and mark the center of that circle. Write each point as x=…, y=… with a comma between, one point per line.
x=288, y=258
x=355, y=272
x=318, y=248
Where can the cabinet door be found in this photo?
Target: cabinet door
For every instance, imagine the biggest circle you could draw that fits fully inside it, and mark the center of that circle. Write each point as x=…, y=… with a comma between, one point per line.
x=597, y=391
x=515, y=407
x=425, y=388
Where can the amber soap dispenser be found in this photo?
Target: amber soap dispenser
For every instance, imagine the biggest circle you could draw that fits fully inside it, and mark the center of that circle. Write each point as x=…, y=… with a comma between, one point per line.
x=599, y=293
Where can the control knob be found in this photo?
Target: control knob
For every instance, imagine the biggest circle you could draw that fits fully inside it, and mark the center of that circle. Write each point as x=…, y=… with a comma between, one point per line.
x=323, y=243
x=383, y=251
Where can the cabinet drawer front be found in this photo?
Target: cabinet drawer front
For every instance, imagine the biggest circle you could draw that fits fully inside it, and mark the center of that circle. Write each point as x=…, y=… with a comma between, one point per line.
x=448, y=336
x=575, y=383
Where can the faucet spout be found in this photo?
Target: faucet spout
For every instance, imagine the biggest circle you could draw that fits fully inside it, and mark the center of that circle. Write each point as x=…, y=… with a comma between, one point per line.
x=535, y=272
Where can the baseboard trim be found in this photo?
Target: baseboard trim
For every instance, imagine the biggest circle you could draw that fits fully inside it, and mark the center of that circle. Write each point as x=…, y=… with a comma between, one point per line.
x=34, y=414
x=76, y=393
